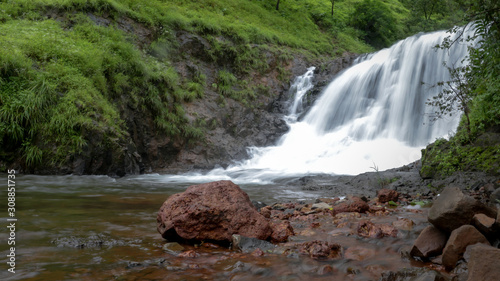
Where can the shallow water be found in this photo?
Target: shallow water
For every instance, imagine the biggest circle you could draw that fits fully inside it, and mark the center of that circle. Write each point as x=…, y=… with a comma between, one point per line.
x=122, y=212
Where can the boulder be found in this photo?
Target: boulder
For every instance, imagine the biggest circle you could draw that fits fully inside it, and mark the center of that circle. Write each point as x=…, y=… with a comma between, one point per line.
x=385, y=195
x=459, y=239
x=429, y=243
x=211, y=211
x=484, y=262
x=453, y=209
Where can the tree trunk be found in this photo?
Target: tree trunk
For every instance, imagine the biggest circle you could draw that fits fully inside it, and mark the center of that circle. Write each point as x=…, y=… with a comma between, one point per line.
x=333, y=3
x=278, y=5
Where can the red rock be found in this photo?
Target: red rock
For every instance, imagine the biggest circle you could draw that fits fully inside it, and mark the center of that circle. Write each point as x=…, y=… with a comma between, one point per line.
x=429, y=243
x=281, y=231
x=257, y=253
x=370, y=230
x=266, y=211
x=320, y=249
x=459, y=239
x=189, y=254
x=385, y=195
x=211, y=211
x=355, y=204
x=484, y=262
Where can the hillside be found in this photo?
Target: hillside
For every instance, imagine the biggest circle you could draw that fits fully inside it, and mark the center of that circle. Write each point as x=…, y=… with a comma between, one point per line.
x=124, y=87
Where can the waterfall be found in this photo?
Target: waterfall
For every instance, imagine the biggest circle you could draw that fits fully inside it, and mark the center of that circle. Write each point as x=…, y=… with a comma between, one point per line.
x=300, y=86
x=371, y=116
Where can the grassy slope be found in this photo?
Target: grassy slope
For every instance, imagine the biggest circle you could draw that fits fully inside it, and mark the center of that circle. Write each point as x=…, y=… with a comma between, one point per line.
x=69, y=67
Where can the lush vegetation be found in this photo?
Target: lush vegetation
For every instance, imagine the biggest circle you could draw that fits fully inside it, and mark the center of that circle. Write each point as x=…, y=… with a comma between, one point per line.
x=71, y=70
x=476, y=145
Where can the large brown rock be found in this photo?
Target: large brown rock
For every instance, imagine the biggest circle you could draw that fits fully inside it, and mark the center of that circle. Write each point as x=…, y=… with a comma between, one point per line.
x=484, y=263
x=211, y=211
x=453, y=209
x=459, y=239
x=429, y=243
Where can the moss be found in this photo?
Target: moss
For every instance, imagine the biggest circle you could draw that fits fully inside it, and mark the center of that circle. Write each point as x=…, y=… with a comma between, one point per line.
x=443, y=158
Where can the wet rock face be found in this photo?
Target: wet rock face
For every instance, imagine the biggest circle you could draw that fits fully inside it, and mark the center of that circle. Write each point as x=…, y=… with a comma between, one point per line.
x=211, y=211
x=453, y=209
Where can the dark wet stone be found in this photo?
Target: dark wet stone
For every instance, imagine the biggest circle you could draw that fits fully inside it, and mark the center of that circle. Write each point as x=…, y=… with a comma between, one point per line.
x=414, y=274
x=173, y=248
x=248, y=244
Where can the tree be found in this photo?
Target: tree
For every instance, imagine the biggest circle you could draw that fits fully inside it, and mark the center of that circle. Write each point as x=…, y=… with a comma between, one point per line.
x=474, y=89
x=333, y=3
x=278, y=5
x=376, y=21
x=455, y=96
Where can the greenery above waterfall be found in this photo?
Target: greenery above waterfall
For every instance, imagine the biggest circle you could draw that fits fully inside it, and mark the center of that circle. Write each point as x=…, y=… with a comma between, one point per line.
x=476, y=144
x=74, y=73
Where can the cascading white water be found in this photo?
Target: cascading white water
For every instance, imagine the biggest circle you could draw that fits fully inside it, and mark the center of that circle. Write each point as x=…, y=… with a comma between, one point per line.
x=300, y=86
x=371, y=116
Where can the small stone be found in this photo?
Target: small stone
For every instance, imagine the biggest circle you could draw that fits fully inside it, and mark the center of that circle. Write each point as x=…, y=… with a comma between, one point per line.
x=321, y=249
x=248, y=244
x=403, y=224
x=321, y=206
x=459, y=239
x=189, y=254
x=326, y=270
x=370, y=230
x=173, y=248
x=430, y=242
x=257, y=253
x=358, y=253
x=281, y=231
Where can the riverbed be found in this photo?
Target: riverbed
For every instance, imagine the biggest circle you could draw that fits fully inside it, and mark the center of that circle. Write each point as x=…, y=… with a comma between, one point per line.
x=103, y=228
